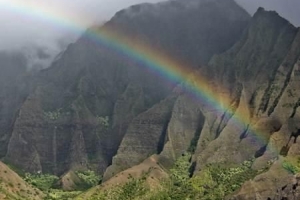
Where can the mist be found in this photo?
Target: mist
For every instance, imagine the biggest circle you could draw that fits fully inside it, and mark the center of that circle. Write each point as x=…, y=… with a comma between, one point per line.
x=25, y=28
x=21, y=26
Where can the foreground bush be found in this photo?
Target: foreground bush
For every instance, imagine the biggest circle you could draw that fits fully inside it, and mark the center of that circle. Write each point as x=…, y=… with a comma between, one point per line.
x=214, y=182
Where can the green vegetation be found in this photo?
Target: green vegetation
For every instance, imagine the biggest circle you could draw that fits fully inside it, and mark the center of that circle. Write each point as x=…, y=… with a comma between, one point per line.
x=88, y=179
x=55, y=194
x=47, y=183
x=42, y=181
x=53, y=115
x=214, y=182
x=291, y=165
x=133, y=189
x=104, y=121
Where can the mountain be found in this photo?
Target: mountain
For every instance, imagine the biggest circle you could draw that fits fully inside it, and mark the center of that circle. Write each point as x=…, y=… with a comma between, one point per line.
x=264, y=66
x=82, y=106
x=13, y=66
x=231, y=125
x=16, y=70
x=257, y=80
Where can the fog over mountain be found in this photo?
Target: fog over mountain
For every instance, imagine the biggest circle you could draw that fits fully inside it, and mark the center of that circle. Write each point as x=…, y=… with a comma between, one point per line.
x=42, y=29
x=39, y=29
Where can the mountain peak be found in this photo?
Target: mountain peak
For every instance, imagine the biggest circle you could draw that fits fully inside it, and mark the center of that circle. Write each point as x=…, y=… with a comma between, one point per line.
x=263, y=15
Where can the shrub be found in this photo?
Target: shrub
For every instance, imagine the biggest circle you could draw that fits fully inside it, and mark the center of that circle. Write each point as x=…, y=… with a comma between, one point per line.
x=103, y=121
x=291, y=166
x=89, y=178
x=53, y=115
x=42, y=181
x=213, y=183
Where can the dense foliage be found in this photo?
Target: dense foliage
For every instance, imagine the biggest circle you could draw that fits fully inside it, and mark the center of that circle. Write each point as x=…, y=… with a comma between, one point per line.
x=48, y=184
x=55, y=194
x=88, y=179
x=214, y=182
x=42, y=181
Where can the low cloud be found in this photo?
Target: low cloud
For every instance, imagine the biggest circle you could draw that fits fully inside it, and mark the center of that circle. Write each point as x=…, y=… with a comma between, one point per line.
x=32, y=25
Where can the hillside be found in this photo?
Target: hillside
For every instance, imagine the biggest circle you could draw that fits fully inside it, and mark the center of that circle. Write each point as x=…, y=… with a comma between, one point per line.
x=13, y=187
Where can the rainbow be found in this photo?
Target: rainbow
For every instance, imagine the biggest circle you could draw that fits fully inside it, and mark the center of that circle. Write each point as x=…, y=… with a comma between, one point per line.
x=150, y=58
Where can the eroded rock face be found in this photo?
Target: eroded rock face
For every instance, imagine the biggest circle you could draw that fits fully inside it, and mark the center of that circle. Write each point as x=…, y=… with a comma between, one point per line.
x=213, y=25
x=262, y=121
x=13, y=91
x=145, y=136
x=265, y=123
x=186, y=121
x=78, y=110
x=276, y=184
x=265, y=75
x=93, y=109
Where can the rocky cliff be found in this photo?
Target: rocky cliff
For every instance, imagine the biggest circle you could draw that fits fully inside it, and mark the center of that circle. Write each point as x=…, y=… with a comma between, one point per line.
x=258, y=79
x=13, y=81
x=82, y=106
x=93, y=109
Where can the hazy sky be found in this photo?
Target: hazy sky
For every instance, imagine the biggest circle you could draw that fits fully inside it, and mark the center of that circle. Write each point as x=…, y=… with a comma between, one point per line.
x=42, y=22
x=23, y=21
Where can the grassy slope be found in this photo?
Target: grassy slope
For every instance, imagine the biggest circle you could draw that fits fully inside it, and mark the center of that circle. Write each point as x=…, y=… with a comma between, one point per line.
x=12, y=186
x=150, y=167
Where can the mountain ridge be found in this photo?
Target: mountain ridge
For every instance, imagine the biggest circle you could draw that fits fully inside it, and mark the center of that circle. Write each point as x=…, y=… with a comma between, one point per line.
x=93, y=110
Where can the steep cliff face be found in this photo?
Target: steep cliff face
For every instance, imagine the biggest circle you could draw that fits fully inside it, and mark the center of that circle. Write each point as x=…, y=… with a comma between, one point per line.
x=254, y=64
x=258, y=77
x=213, y=25
x=208, y=40
x=283, y=144
x=82, y=106
x=12, y=93
x=265, y=124
x=96, y=110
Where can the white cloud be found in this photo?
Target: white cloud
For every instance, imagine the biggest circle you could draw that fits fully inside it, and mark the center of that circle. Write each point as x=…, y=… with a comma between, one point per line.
x=32, y=25
x=26, y=22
